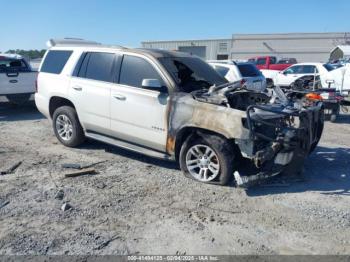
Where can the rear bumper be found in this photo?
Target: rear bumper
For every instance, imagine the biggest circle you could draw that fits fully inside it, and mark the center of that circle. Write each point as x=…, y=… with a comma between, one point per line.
x=16, y=92
x=42, y=104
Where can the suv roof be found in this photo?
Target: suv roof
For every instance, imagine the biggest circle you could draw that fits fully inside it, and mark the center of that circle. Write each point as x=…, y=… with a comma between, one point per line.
x=157, y=53
x=76, y=43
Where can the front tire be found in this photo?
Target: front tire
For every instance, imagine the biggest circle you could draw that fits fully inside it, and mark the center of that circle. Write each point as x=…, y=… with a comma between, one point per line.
x=207, y=159
x=67, y=127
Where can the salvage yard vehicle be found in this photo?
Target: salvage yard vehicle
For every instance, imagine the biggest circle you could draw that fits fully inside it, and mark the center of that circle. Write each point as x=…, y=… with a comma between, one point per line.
x=270, y=67
x=270, y=62
x=247, y=73
x=329, y=76
x=331, y=98
x=17, y=79
x=289, y=75
x=172, y=105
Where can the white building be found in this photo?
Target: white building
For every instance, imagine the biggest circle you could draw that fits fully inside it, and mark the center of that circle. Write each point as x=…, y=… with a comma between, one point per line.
x=305, y=47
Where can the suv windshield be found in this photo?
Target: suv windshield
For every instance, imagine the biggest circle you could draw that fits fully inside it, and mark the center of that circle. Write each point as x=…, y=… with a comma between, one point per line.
x=191, y=73
x=248, y=70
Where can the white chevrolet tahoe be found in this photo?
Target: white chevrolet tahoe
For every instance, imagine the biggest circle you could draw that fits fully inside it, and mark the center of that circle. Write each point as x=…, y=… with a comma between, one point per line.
x=172, y=105
x=17, y=79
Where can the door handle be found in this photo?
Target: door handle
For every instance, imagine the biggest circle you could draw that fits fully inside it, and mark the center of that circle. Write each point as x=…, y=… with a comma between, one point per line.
x=78, y=88
x=12, y=74
x=119, y=97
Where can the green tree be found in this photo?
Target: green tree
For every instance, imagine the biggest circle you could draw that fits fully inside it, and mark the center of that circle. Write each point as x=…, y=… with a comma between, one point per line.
x=30, y=54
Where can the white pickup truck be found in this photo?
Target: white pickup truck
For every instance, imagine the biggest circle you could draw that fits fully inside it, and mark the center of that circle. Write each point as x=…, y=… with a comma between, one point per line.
x=17, y=79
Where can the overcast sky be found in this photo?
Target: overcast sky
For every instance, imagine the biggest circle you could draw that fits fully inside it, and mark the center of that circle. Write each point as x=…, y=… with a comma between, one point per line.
x=29, y=24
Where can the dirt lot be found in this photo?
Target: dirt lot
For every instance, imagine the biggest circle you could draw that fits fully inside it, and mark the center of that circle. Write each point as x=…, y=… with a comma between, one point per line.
x=138, y=205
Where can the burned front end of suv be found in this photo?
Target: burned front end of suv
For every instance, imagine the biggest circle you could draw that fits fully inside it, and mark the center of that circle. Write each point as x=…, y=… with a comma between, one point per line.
x=268, y=132
x=272, y=135
x=280, y=139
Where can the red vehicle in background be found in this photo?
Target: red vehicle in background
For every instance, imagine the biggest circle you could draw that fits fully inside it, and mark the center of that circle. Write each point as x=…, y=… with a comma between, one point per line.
x=271, y=63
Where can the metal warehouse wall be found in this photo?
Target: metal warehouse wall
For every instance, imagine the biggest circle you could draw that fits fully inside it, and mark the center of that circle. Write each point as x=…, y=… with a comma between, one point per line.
x=212, y=46
x=306, y=47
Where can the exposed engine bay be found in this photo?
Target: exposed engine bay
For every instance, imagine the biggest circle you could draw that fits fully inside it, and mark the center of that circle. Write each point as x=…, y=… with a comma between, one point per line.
x=281, y=129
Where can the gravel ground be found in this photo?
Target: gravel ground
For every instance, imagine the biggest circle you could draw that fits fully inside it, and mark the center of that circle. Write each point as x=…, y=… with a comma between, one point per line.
x=139, y=205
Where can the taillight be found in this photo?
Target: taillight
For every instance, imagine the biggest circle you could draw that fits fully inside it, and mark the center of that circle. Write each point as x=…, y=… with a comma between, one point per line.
x=243, y=81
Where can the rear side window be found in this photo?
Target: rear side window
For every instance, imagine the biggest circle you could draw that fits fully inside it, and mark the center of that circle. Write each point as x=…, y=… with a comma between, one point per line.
x=98, y=66
x=135, y=69
x=12, y=64
x=273, y=60
x=293, y=70
x=248, y=70
x=222, y=70
x=55, y=61
x=309, y=69
x=261, y=61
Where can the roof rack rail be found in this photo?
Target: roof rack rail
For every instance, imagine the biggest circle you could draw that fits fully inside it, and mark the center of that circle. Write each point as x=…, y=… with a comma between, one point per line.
x=70, y=42
x=227, y=62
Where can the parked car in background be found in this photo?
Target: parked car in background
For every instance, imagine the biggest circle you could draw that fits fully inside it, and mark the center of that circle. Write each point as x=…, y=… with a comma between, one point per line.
x=247, y=73
x=339, y=62
x=287, y=61
x=329, y=76
x=17, y=79
x=172, y=105
x=270, y=62
x=341, y=76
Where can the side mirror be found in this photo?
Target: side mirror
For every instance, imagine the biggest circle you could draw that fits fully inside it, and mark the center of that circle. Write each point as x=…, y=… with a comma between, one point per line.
x=151, y=84
x=154, y=84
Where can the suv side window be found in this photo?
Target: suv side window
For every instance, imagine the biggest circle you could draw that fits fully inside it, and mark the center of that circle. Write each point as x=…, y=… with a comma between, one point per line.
x=98, y=66
x=309, y=69
x=293, y=70
x=55, y=61
x=134, y=69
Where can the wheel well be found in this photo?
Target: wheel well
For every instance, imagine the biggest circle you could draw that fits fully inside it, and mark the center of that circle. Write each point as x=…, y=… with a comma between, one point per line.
x=185, y=132
x=56, y=102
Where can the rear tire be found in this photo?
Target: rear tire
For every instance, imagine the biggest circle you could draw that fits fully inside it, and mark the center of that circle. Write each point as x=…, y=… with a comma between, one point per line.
x=207, y=159
x=67, y=127
x=334, y=114
x=18, y=99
